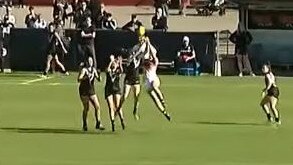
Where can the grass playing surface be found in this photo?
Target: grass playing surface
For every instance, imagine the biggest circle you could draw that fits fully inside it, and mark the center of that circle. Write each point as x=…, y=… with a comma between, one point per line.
x=216, y=121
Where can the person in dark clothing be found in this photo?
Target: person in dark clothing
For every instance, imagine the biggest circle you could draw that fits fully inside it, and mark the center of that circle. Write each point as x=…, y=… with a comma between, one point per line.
x=54, y=49
x=58, y=9
x=109, y=23
x=86, y=79
x=87, y=42
x=81, y=15
x=186, y=56
x=31, y=18
x=132, y=25
x=94, y=7
x=20, y=4
x=242, y=39
x=270, y=95
x=159, y=21
x=113, y=90
x=163, y=4
x=101, y=16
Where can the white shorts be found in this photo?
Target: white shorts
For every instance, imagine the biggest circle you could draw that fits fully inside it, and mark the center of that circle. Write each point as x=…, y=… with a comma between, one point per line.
x=151, y=82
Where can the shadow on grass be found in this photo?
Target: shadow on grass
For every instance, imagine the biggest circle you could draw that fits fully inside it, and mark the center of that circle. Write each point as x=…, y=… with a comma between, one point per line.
x=229, y=123
x=56, y=131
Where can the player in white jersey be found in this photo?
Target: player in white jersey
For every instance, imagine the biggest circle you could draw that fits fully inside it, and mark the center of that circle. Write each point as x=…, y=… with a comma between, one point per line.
x=152, y=83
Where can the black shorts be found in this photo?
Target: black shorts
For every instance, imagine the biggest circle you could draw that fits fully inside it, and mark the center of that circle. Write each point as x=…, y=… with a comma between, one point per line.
x=132, y=80
x=55, y=50
x=112, y=91
x=274, y=91
x=52, y=51
x=86, y=92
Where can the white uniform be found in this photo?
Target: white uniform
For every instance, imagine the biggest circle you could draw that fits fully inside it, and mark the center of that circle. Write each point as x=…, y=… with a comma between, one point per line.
x=151, y=75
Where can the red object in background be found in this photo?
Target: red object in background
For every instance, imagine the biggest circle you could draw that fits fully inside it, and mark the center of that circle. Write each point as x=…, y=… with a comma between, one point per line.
x=107, y=2
x=184, y=57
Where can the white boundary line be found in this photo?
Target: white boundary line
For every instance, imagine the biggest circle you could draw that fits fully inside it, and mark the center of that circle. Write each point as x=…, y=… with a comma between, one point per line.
x=35, y=80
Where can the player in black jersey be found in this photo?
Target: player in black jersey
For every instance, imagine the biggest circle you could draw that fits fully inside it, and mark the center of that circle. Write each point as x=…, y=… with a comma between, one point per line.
x=113, y=90
x=132, y=79
x=132, y=82
x=86, y=78
x=270, y=95
x=55, y=46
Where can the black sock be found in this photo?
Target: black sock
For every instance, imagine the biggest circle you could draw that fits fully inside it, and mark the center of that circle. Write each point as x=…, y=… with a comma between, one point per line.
x=98, y=124
x=277, y=119
x=269, y=116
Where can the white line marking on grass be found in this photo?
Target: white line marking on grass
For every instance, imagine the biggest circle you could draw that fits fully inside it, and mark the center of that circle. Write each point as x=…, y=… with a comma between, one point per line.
x=54, y=84
x=35, y=80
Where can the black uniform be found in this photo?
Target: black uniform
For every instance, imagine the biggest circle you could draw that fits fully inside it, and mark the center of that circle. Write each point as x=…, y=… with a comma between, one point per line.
x=88, y=45
x=54, y=47
x=87, y=87
x=112, y=84
x=132, y=74
x=53, y=43
x=274, y=90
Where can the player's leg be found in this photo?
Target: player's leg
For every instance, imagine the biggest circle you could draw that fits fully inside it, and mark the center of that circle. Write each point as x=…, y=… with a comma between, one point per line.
x=60, y=65
x=120, y=113
x=265, y=104
x=124, y=97
x=48, y=64
x=111, y=107
x=96, y=104
x=158, y=103
x=136, y=92
x=85, y=103
x=240, y=64
x=247, y=64
x=273, y=104
x=156, y=87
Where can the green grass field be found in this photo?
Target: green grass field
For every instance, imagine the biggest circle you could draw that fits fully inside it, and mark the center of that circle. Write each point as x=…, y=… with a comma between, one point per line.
x=216, y=121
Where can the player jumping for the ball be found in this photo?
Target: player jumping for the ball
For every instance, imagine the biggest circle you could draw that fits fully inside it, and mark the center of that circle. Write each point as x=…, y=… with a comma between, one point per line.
x=152, y=83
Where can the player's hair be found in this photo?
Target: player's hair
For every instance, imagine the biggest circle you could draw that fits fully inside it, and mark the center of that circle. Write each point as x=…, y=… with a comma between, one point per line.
x=268, y=64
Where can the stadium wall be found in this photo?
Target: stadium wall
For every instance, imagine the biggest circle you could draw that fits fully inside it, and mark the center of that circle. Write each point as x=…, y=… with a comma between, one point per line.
x=28, y=47
x=174, y=3
x=107, y=2
x=274, y=46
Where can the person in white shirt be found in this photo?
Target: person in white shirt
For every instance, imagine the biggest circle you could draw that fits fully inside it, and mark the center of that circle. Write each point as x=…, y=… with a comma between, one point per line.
x=153, y=83
x=9, y=17
x=40, y=23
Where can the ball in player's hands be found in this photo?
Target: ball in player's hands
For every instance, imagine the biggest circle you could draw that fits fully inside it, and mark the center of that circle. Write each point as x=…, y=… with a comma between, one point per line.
x=184, y=58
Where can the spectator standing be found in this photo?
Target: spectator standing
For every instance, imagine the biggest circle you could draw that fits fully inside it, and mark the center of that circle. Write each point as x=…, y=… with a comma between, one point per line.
x=9, y=17
x=109, y=23
x=163, y=4
x=8, y=3
x=40, y=23
x=183, y=5
x=132, y=25
x=241, y=39
x=87, y=42
x=81, y=15
x=101, y=16
x=58, y=9
x=30, y=18
x=20, y=4
x=159, y=21
x=186, y=56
